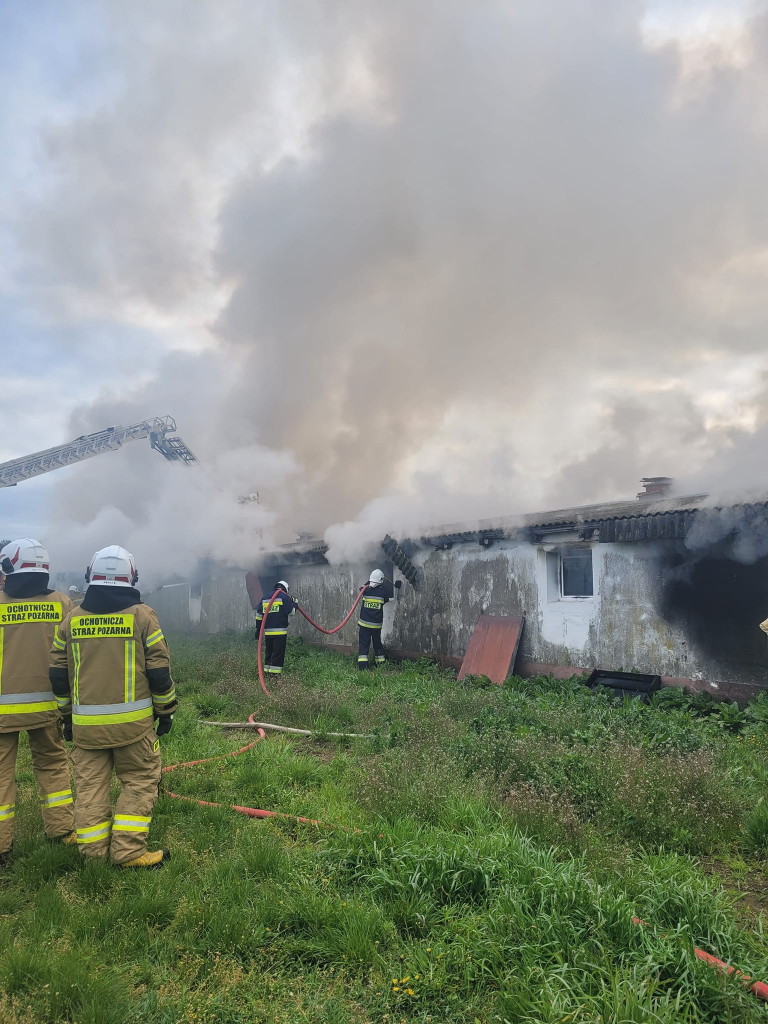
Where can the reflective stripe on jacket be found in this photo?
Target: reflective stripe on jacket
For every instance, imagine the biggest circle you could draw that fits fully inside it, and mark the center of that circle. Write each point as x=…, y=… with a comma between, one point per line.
x=110, y=661
x=277, y=621
x=27, y=628
x=372, y=606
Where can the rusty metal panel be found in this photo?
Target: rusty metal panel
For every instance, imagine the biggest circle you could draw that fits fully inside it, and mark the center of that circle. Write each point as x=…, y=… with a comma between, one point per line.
x=493, y=647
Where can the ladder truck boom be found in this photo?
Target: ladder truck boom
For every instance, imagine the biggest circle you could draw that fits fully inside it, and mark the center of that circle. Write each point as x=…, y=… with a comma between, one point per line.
x=158, y=430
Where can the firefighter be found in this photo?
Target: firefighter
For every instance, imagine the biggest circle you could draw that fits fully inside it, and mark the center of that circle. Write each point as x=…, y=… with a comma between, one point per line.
x=276, y=628
x=377, y=592
x=111, y=674
x=75, y=596
x=30, y=614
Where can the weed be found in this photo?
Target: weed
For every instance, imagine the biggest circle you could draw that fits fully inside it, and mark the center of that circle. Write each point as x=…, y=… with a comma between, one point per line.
x=496, y=844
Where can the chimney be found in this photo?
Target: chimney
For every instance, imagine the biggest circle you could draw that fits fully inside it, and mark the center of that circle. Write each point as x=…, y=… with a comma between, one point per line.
x=655, y=487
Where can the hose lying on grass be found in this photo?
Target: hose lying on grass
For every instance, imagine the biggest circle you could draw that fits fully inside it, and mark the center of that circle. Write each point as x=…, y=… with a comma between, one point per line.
x=759, y=988
x=251, y=812
x=250, y=724
x=312, y=622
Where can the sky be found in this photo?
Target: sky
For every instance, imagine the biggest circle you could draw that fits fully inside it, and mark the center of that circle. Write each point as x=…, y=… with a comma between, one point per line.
x=386, y=265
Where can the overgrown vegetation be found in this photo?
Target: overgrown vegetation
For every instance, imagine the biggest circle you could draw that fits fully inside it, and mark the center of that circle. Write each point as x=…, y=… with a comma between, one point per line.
x=489, y=848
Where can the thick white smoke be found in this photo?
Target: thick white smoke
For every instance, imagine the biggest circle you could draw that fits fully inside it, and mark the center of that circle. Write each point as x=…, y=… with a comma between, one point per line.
x=428, y=261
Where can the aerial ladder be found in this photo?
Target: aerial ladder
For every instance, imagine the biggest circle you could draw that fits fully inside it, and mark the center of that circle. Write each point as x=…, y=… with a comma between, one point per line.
x=158, y=430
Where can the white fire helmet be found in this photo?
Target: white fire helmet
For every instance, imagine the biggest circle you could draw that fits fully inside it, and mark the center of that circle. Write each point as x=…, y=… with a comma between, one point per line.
x=73, y=589
x=376, y=578
x=112, y=566
x=282, y=583
x=24, y=555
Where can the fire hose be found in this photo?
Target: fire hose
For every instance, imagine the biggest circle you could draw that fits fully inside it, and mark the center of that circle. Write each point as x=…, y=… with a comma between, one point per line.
x=251, y=812
x=758, y=988
x=256, y=812
x=311, y=621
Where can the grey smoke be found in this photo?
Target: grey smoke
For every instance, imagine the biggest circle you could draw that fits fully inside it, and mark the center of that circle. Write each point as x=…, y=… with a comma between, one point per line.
x=487, y=274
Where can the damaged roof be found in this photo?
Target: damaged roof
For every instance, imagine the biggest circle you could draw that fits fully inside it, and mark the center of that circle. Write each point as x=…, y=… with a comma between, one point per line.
x=565, y=518
x=667, y=518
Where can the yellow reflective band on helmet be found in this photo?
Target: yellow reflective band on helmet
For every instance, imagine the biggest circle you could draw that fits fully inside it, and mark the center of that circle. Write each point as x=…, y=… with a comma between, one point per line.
x=64, y=796
x=369, y=625
x=130, y=823
x=121, y=716
x=27, y=709
x=7, y=811
x=130, y=671
x=154, y=637
x=275, y=632
x=94, y=833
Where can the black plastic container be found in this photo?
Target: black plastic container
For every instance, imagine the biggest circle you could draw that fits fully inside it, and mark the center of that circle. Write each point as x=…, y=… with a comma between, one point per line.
x=625, y=684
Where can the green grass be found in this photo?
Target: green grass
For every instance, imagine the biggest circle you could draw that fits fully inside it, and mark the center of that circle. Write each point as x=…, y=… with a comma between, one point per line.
x=488, y=850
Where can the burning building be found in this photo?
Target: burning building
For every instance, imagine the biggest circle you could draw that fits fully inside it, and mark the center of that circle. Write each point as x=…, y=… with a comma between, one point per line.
x=675, y=586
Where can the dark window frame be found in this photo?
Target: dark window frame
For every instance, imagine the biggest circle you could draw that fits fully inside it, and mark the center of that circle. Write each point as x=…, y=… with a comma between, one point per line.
x=586, y=591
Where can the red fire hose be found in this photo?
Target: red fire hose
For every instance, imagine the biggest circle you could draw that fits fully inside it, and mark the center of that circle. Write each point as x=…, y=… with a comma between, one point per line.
x=759, y=988
x=341, y=624
x=251, y=812
x=328, y=632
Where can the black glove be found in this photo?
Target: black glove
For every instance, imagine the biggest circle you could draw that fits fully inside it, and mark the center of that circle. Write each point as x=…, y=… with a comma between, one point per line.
x=164, y=723
x=398, y=584
x=256, y=633
x=66, y=728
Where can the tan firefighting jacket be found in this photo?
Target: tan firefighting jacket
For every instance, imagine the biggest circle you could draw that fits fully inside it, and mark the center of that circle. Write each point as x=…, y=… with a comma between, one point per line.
x=117, y=675
x=27, y=629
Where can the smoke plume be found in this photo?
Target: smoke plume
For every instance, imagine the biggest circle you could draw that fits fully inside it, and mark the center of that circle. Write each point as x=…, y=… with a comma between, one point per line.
x=409, y=262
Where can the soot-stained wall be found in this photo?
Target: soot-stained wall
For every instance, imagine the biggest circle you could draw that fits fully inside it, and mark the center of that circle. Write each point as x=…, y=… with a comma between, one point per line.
x=655, y=608
x=717, y=603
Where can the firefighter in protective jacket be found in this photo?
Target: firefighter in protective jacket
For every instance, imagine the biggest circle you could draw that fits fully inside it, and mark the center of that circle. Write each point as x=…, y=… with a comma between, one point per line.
x=111, y=674
x=375, y=595
x=30, y=614
x=276, y=627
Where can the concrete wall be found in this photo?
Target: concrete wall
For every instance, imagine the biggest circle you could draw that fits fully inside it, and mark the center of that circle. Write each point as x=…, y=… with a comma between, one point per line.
x=638, y=617
x=627, y=623
x=220, y=603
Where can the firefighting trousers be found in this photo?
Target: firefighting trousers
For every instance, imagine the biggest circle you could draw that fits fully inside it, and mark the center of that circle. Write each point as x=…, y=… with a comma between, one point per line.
x=51, y=768
x=121, y=835
x=366, y=637
x=274, y=654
